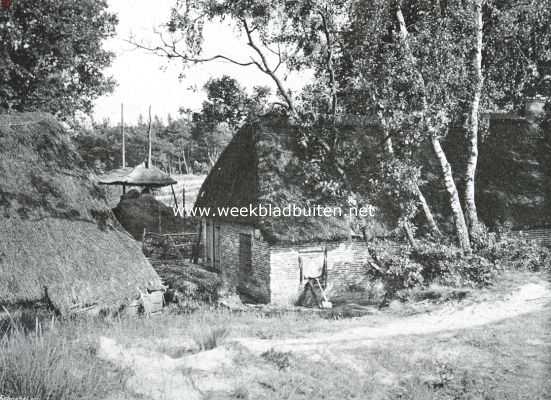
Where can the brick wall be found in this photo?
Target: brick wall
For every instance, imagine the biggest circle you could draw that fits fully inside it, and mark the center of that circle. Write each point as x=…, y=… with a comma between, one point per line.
x=284, y=275
x=346, y=268
x=274, y=275
x=253, y=285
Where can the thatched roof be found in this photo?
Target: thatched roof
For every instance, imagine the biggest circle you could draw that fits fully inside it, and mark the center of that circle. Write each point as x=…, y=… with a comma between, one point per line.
x=260, y=166
x=114, y=177
x=138, y=176
x=59, y=241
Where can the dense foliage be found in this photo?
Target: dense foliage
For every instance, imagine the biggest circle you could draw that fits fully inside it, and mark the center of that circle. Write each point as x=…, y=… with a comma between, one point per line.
x=51, y=55
x=401, y=269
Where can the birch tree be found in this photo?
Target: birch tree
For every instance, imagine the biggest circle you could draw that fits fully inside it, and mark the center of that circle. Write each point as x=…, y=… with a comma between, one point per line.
x=472, y=125
x=510, y=56
x=415, y=81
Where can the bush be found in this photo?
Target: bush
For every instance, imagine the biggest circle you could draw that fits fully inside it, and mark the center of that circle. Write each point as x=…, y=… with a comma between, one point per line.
x=400, y=267
x=395, y=268
x=279, y=358
x=448, y=265
x=516, y=252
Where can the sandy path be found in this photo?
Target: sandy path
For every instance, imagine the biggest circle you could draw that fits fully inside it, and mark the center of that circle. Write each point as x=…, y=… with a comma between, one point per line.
x=528, y=298
x=158, y=376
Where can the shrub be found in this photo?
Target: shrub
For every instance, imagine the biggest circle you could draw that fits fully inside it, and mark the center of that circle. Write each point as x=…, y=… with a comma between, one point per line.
x=279, y=358
x=400, y=268
x=447, y=265
x=517, y=252
x=396, y=268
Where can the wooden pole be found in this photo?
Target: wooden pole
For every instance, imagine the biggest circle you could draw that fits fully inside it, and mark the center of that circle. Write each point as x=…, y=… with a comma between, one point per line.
x=123, y=139
x=184, y=204
x=184, y=199
x=159, y=214
x=149, y=139
x=174, y=195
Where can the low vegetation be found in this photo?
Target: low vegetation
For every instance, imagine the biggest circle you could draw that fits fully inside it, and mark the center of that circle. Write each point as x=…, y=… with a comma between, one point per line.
x=51, y=362
x=279, y=358
x=59, y=358
x=208, y=338
x=405, y=270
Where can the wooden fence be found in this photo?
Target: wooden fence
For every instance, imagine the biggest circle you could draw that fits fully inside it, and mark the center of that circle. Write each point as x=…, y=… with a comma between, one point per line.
x=540, y=234
x=171, y=245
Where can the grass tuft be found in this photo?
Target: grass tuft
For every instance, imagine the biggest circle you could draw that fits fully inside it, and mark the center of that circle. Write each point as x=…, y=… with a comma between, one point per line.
x=207, y=337
x=44, y=363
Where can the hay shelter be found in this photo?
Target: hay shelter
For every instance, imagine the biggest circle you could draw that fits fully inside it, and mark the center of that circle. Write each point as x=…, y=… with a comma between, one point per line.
x=60, y=243
x=139, y=212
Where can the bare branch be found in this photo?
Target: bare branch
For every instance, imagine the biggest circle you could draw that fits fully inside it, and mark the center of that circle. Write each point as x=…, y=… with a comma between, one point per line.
x=170, y=51
x=266, y=67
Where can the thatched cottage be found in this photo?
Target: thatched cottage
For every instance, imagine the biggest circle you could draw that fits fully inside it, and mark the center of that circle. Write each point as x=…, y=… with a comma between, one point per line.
x=267, y=258
x=60, y=244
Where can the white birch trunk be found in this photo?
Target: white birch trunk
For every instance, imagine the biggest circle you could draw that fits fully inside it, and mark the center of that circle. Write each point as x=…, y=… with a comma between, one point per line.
x=455, y=204
x=472, y=142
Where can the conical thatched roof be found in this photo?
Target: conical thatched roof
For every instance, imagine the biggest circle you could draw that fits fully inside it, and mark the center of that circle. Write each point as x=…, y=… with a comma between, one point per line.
x=138, y=176
x=150, y=176
x=114, y=177
x=260, y=166
x=58, y=239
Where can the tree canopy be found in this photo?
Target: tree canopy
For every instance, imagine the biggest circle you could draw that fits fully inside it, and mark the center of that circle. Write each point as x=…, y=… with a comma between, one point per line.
x=51, y=55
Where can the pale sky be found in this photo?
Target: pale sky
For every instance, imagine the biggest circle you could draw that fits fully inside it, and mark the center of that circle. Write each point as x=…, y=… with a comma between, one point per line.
x=144, y=78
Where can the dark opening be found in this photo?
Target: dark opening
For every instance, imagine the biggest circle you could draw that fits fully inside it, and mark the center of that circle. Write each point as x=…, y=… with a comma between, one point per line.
x=245, y=253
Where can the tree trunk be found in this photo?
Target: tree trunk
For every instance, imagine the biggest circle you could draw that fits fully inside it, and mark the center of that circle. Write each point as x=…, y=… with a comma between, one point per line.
x=149, y=157
x=389, y=149
x=185, y=160
x=329, y=65
x=458, y=216
x=472, y=133
x=428, y=213
x=455, y=204
x=409, y=235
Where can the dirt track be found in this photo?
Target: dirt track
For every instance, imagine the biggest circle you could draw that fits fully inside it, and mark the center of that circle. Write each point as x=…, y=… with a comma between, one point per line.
x=528, y=298
x=158, y=376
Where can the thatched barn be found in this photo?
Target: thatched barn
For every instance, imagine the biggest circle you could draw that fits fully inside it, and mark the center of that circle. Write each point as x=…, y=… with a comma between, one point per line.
x=60, y=244
x=268, y=258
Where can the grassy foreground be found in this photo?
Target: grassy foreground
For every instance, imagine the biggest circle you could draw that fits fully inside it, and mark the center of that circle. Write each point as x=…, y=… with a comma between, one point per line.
x=510, y=359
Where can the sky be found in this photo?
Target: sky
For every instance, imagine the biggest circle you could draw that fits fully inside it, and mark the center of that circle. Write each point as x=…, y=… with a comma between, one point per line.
x=144, y=78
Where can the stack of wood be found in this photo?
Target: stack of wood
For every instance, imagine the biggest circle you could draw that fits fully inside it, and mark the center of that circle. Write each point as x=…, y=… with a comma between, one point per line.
x=188, y=280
